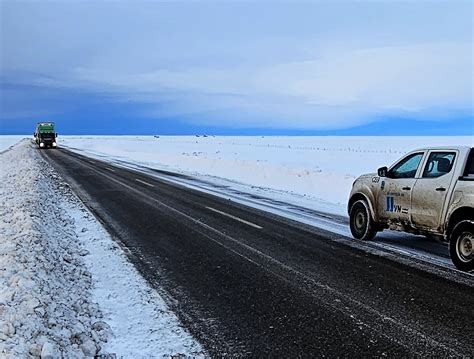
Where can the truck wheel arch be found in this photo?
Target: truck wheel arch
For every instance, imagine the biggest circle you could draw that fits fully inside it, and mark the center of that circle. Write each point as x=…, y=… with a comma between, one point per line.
x=360, y=196
x=460, y=214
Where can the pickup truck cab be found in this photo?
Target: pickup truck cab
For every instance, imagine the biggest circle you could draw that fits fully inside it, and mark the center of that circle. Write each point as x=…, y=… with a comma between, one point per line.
x=429, y=191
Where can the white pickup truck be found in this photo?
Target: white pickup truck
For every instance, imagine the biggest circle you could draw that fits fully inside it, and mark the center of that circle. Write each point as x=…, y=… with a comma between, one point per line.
x=429, y=191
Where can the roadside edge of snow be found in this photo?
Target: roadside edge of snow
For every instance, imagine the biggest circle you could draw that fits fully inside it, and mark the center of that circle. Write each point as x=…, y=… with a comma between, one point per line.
x=225, y=185
x=140, y=320
x=70, y=288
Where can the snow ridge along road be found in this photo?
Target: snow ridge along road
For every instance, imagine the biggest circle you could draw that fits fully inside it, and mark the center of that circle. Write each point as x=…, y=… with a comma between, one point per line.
x=66, y=288
x=277, y=288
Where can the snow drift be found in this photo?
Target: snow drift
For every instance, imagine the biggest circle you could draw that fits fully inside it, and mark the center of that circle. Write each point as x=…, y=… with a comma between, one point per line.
x=66, y=287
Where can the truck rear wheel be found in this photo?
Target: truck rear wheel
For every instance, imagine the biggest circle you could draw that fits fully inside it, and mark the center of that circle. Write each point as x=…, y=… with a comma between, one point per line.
x=361, y=223
x=461, y=244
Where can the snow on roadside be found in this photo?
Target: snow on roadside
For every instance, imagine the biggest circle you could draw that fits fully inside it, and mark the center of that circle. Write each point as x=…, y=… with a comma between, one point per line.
x=141, y=323
x=67, y=288
x=316, y=172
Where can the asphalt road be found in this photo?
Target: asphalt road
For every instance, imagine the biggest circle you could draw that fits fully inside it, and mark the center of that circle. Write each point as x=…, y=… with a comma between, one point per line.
x=246, y=282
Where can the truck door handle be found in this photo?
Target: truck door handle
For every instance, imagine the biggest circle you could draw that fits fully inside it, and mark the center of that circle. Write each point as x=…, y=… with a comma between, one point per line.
x=406, y=188
x=441, y=189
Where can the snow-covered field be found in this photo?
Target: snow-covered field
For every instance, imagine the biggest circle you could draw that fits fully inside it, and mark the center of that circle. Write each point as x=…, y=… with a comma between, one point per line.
x=66, y=288
x=7, y=141
x=315, y=171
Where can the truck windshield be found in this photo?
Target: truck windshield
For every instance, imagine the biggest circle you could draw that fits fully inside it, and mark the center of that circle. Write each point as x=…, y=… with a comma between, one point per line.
x=47, y=135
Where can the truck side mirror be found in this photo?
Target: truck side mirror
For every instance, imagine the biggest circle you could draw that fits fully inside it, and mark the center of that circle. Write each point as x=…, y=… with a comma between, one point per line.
x=382, y=171
x=55, y=135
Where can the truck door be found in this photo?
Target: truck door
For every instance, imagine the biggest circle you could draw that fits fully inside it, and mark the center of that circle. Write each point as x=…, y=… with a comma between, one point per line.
x=394, y=198
x=430, y=191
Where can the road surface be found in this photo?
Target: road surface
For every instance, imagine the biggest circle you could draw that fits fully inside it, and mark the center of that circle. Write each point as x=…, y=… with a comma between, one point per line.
x=249, y=283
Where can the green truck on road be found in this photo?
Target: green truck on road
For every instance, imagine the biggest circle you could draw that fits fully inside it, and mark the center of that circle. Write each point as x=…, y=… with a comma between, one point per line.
x=45, y=135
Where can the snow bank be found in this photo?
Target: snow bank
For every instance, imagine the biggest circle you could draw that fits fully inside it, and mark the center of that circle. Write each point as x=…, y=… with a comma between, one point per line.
x=66, y=287
x=44, y=303
x=321, y=169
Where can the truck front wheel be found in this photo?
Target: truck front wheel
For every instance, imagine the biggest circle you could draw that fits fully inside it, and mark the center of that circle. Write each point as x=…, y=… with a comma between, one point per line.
x=461, y=244
x=361, y=223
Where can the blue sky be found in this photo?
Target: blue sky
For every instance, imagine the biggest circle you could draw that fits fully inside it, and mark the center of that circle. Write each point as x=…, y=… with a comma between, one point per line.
x=340, y=67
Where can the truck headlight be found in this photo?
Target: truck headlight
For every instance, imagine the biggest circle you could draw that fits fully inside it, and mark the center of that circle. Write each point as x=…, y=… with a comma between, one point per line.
x=41, y=144
x=54, y=144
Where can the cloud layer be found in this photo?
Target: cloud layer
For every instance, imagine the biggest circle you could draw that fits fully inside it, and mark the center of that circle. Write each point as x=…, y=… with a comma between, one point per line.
x=302, y=66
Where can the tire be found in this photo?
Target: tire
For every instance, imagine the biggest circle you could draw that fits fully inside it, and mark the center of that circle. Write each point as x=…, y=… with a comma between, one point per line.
x=361, y=223
x=461, y=242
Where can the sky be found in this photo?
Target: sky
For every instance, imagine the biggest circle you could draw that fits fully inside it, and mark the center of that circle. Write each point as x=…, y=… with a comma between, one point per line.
x=237, y=68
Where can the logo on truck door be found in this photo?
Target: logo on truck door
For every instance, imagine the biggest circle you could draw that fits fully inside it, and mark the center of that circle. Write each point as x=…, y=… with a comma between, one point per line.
x=392, y=207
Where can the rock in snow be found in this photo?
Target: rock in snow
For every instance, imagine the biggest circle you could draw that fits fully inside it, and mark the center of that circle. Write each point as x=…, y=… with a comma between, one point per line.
x=58, y=276
x=49, y=351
